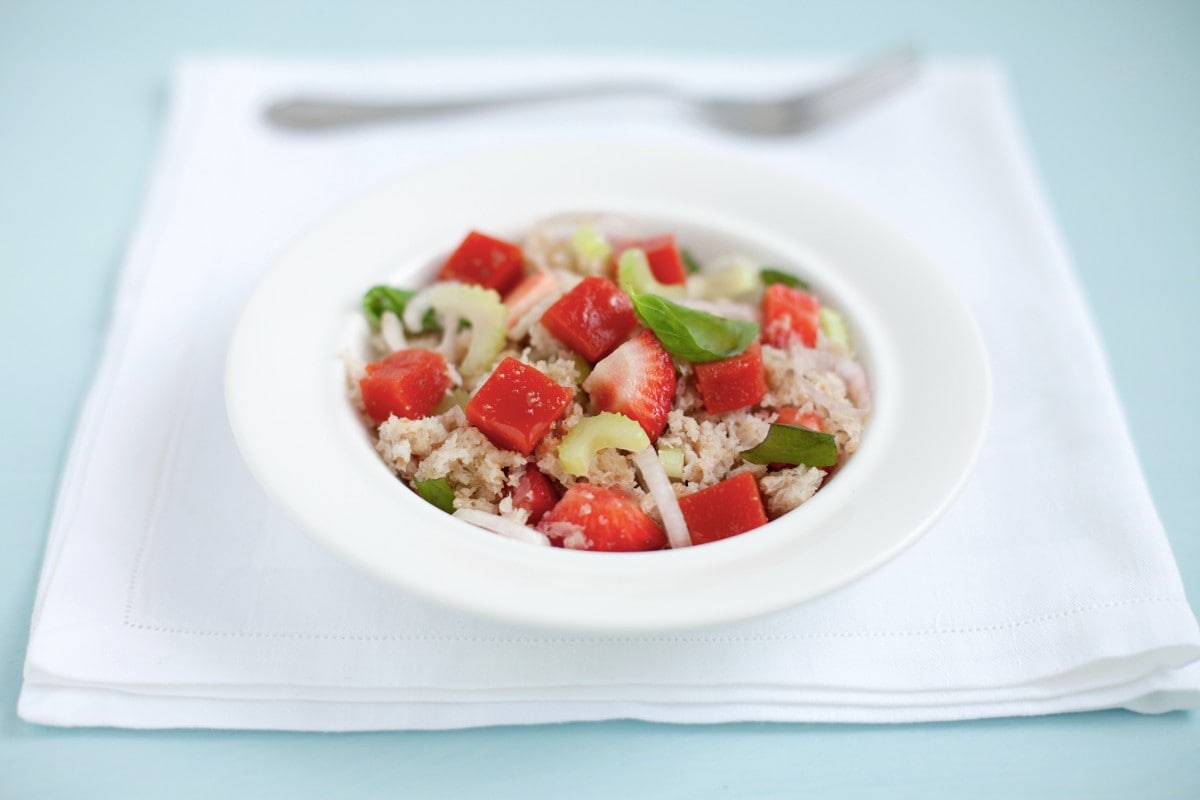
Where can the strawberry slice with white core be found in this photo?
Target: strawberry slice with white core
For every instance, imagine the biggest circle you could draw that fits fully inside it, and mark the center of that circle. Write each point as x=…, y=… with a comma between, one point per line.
x=636, y=380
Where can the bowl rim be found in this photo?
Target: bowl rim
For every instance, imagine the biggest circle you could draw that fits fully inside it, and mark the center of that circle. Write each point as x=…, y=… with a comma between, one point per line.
x=309, y=456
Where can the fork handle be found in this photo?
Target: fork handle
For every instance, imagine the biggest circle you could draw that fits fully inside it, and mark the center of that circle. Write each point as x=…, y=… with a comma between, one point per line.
x=317, y=113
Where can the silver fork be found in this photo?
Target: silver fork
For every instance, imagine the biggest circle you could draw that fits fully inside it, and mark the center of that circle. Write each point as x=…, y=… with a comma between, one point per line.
x=792, y=113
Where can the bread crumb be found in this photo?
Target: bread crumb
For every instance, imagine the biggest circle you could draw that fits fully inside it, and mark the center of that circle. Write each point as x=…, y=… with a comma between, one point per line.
x=543, y=345
x=474, y=467
x=563, y=370
x=404, y=442
x=356, y=370
x=790, y=381
x=505, y=507
x=712, y=445
x=788, y=488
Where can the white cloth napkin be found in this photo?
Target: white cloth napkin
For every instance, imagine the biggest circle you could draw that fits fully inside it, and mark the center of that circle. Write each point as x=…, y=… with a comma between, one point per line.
x=174, y=594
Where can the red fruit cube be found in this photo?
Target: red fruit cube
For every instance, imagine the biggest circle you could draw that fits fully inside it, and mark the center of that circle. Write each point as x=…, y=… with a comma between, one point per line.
x=665, y=260
x=491, y=263
x=595, y=518
x=534, y=492
x=726, y=509
x=792, y=416
x=408, y=383
x=592, y=319
x=637, y=380
x=732, y=383
x=516, y=406
x=790, y=315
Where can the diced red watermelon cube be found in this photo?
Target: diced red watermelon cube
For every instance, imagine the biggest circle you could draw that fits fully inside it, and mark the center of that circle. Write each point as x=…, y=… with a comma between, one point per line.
x=592, y=319
x=485, y=261
x=597, y=518
x=516, y=406
x=732, y=383
x=790, y=315
x=664, y=257
x=725, y=509
x=408, y=383
x=534, y=492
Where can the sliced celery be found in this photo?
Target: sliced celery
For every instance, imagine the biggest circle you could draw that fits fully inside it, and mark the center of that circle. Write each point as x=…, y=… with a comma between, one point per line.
x=456, y=397
x=672, y=461
x=582, y=367
x=635, y=277
x=834, y=327
x=740, y=280
x=592, y=434
x=589, y=244
x=479, y=307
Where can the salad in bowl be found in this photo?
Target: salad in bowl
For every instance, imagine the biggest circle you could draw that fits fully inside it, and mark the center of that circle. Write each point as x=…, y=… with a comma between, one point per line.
x=590, y=385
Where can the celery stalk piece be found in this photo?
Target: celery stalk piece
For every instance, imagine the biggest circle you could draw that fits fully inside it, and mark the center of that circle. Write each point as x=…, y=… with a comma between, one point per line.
x=592, y=434
x=834, y=327
x=589, y=244
x=731, y=283
x=455, y=397
x=479, y=307
x=635, y=277
x=672, y=461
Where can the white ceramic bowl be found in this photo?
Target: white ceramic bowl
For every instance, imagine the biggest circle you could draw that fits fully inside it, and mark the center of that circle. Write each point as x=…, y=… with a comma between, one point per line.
x=286, y=398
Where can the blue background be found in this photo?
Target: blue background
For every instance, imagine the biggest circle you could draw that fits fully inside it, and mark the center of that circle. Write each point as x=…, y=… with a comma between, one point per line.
x=1110, y=94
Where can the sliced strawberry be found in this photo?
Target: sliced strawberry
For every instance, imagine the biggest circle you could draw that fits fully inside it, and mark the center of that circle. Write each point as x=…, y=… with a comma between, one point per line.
x=534, y=492
x=591, y=319
x=516, y=406
x=408, y=383
x=637, y=380
x=790, y=315
x=527, y=294
x=595, y=518
x=491, y=263
x=732, y=383
x=726, y=509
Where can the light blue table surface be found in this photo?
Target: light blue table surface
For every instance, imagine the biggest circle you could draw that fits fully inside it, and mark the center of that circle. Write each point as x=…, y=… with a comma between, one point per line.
x=1110, y=93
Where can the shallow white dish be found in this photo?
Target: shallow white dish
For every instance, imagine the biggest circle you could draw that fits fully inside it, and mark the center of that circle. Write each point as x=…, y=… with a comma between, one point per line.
x=286, y=398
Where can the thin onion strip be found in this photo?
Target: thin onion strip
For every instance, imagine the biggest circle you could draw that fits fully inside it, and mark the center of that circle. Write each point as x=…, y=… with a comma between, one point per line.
x=503, y=526
x=659, y=486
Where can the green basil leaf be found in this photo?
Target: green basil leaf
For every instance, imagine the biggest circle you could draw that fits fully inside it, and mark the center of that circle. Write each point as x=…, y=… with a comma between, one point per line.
x=689, y=262
x=770, y=276
x=437, y=491
x=379, y=299
x=692, y=335
x=793, y=444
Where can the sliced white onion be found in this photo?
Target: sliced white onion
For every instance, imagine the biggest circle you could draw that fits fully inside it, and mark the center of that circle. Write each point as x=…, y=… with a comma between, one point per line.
x=449, y=346
x=392, y=331
x=659, y=486
x=846, y=368
x=837, y=408
x=504, y=527
x=563, y=226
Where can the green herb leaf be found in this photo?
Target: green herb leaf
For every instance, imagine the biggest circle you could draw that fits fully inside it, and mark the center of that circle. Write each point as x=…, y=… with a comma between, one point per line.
x=689, y=262
x=379, y=299
x=770, y=276
x=693, y=335
x=793, y=444
x=437, y=491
